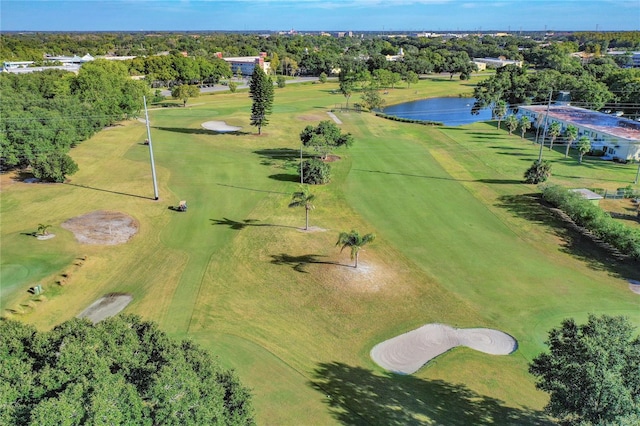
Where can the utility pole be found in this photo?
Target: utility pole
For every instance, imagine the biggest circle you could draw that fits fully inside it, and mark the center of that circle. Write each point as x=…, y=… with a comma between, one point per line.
x=301, y=170
x=544, y=132
x=153, y=166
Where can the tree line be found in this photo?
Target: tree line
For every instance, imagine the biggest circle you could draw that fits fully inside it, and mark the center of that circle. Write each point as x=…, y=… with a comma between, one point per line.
x=44, y=114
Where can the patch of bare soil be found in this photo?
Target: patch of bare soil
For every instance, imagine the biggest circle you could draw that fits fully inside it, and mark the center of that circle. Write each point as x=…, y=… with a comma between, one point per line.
x=312, y=229
x=331, y=158
x=102, y=227
x=106, y=307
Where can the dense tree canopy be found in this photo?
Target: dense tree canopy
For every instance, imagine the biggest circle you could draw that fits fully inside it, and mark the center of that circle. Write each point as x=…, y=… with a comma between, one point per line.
x=122, y=371
x=592, y=372
x=46, y=113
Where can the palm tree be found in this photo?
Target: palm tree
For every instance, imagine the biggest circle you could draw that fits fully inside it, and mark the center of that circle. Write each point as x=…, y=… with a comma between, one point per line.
x=584, y=146
x=571, y=134
x=355, y=241
x=554, y=132
x=303, y=198
x=525, y=124
x=43, y=229
x=512, y=123
x=500, y=110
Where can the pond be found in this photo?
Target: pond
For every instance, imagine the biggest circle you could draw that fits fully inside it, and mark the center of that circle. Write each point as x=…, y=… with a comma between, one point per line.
x=449, y=111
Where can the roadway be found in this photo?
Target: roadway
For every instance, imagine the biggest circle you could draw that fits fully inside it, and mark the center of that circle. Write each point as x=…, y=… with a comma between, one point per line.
x=243, y=83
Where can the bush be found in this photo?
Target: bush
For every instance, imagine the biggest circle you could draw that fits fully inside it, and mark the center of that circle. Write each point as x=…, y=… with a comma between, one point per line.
x=409, y=120
x=596, y=220
x=316, y=172
x=538, y=172
x=54, y=167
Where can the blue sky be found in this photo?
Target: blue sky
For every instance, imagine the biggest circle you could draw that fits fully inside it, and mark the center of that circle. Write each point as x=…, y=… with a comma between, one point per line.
x=329, y=15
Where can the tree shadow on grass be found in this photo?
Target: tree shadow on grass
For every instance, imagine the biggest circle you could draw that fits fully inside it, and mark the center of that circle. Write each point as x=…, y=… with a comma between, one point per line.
x=279, y=153
x=299, y=263
x=284, y=177
x=200, y=131
x=357, y=396
x=410, y=175
x=240, y=225
x=576, y=242
x=500, y=181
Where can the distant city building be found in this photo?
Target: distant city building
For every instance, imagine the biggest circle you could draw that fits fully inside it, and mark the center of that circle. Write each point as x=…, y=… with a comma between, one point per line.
x=496, y=62
x=69, y=63
x=618, y=137
x=635, y=56
x=246, y=64
x=398, y=57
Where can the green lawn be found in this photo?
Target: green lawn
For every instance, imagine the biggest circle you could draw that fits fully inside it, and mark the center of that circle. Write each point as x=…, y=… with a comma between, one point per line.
x=459, y=240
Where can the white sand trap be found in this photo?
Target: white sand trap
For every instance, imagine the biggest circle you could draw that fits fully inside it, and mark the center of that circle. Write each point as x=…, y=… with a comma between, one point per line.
x=106, y=307
x=634, y=286
x=220, y=126
x=407, y=353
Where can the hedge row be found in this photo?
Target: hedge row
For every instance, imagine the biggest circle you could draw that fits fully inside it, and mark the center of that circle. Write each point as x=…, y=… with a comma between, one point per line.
x=408, y=120
x=593, y=218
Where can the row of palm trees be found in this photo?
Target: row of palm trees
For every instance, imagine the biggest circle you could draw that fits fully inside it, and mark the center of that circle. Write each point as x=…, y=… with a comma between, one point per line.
x=554, y=131
x=304, y=198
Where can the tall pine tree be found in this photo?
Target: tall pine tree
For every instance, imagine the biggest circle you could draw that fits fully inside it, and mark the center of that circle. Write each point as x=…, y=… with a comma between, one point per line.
x=261, y=90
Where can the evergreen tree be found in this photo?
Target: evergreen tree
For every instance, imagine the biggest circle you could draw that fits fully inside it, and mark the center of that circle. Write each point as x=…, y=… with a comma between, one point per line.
x=261, y=91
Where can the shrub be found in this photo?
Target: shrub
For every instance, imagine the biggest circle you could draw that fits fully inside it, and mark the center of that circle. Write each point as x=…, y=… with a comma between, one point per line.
x=408, y=120
x=316, y=172
x=538, y=172
x=54, y=167
x=596, y=220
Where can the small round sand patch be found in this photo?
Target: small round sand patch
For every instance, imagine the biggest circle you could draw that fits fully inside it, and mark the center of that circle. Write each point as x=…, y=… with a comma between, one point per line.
x=407, y=353
x=102, y=227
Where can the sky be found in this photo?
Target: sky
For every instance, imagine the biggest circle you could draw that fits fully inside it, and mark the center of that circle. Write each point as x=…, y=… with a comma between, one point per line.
x=316, y=15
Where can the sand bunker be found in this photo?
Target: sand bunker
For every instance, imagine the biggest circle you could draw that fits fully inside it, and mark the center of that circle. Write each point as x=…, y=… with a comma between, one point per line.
x=105, y=307
x=407, y=353
x=220, y=126
x=102, y=227
x=634, y=286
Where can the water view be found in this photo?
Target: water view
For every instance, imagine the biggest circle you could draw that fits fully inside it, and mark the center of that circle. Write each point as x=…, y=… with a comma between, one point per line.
x=449, y=111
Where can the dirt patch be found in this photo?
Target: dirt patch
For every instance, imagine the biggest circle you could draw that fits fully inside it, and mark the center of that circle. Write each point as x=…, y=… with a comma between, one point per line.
x=106, y=307
x=102, y=227
x=312, y=229
x=331, y=158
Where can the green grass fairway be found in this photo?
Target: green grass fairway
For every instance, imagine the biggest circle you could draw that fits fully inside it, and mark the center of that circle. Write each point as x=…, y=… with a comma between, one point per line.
x=460, y=240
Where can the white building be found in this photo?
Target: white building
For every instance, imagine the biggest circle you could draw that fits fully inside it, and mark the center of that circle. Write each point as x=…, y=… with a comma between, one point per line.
x=618, y=137
x=497, y=62
x=246, y=64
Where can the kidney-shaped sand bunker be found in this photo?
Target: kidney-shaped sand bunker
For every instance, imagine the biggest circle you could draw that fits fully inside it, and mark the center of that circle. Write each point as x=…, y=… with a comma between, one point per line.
x=102, y=227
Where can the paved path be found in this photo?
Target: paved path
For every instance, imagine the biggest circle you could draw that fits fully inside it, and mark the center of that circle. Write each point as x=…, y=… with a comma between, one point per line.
x=242, y=84
x=333, y=116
